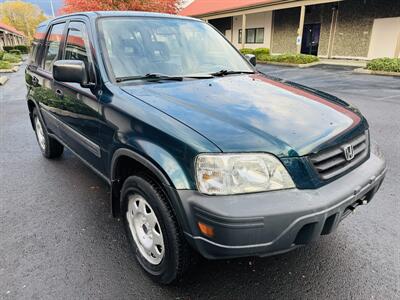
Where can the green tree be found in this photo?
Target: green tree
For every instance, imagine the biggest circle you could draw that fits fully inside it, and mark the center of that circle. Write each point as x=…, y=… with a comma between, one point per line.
x=22, y=15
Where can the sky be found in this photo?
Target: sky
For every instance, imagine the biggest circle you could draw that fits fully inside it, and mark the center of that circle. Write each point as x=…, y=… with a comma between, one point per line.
x=46, y=7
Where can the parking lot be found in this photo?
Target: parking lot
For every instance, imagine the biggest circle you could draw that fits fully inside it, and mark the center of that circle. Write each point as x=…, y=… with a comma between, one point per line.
x=58, y=239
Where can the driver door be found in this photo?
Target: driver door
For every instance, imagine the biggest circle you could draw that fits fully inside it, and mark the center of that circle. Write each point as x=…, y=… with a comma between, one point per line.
x=79, y=117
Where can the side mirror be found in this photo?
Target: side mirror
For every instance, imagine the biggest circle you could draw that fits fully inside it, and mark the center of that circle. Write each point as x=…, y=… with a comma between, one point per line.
x=251, y=58
x=70, y=71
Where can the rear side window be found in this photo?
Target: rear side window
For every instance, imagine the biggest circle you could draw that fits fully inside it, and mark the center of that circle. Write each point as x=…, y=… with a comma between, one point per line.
x=52, y=46
x=77, y=43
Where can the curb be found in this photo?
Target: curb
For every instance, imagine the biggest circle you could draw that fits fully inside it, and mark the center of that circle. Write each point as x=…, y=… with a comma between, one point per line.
x=372, y=72
x=3, y=80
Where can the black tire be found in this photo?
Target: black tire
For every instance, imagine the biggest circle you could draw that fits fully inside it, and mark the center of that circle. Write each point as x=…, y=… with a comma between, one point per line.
x=51, y=148
x=178, y=255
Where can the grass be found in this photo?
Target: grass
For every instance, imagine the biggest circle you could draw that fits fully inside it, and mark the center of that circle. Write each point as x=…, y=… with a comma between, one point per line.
x=12, y=58
x=384, y=64
x=5, y=65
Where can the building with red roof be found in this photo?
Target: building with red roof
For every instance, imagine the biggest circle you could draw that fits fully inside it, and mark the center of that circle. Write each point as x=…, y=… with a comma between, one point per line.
x=10, y=36
x=353, y=29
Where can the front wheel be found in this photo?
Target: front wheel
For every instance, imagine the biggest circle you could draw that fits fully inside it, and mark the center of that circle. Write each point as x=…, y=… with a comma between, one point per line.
x=50, y=147
x=153, y=232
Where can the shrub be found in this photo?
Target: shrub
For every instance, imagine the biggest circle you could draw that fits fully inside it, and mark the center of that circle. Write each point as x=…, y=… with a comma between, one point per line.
x=245, y=51
x=1, y=54
x=260, y=51
x=8, y=48
x=15, y=51
x=289, y=58
x=384, y=64
x=23, y=48
x=12, y=58
x=5, y=65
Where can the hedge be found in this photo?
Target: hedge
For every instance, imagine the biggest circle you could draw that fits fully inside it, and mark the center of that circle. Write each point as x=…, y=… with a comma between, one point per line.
x=8, y=48
x=22, y=48
x=5, y=65
x=12, y=58
x=245, y=51
x=257, y=52
x=384, y=64
x=15, y=51
x=289, y=58
x=260, y=51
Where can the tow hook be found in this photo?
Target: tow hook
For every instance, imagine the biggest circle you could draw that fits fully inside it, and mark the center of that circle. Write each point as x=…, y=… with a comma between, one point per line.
x=351, y=208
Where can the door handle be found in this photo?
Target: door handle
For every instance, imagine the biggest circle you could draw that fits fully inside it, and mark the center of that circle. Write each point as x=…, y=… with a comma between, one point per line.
x=59, y=93
x=35, y=81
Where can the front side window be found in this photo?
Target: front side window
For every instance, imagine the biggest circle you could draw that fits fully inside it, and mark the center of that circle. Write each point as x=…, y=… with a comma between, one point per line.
x=53, y=45
x=136, y=46
x=76, y=44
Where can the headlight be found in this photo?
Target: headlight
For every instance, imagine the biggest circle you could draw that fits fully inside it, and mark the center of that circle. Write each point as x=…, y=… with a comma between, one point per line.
x=225, y=174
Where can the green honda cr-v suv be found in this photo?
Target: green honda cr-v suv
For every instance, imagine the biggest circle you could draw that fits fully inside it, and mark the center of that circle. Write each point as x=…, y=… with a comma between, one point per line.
x=201, y=151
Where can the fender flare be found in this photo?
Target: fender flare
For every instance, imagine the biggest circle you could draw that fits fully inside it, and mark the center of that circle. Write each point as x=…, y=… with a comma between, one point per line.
x=140, y=159
x=168, y=187
x=37, y=109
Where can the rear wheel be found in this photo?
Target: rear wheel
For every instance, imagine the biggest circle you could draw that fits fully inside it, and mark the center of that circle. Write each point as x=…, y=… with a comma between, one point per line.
x=155, y=236
x=50, y=147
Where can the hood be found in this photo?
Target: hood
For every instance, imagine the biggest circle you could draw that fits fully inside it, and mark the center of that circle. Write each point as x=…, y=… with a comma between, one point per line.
x=243, y=113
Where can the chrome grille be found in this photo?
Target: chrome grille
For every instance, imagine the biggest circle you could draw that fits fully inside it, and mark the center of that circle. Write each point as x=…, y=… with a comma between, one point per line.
x=332, y=162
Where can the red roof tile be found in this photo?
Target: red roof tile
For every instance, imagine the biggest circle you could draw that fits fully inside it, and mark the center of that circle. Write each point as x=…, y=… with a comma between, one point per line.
x=201, y=7
x=11, y=29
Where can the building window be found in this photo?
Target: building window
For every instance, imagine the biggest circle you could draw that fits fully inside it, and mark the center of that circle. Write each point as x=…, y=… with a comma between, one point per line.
x=253, y=36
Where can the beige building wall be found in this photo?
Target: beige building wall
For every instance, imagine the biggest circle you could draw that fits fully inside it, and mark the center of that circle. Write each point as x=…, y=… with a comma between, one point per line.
x=355, y=29
x=260, y=20
x=286, y=23
x=385, y=31
x=355, y=20
x=352, y=33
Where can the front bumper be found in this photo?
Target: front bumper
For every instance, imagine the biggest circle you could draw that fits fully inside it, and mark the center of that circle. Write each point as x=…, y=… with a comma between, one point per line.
x=263, y=224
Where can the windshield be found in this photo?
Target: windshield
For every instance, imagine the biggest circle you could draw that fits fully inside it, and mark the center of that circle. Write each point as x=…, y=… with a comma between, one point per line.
x=138, y=46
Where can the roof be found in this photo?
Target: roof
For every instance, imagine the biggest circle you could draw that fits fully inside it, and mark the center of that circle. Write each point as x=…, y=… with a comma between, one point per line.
x=202, y=7
x=39, y=34
x=115, y=13
x=11, y=29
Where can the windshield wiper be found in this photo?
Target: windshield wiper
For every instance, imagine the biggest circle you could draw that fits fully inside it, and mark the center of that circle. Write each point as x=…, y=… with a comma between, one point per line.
x=229, y=72
x=158, y=76
x=150, y=76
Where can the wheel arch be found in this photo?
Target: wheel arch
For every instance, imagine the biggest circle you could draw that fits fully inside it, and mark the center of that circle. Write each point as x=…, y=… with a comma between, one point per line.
x=31, y=106
x=125, y=163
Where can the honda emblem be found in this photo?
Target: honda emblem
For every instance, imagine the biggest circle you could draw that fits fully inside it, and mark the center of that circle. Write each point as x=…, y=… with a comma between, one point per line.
x=348, y=152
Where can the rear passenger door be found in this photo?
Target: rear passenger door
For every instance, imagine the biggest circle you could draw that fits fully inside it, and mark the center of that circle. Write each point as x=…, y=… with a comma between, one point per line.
x=79, y=127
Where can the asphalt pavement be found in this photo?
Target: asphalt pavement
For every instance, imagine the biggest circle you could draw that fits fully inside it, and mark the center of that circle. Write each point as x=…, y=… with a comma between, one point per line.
x=59, y=241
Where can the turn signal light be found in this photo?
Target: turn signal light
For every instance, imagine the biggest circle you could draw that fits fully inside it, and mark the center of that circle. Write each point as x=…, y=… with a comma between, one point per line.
x=205, y=229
